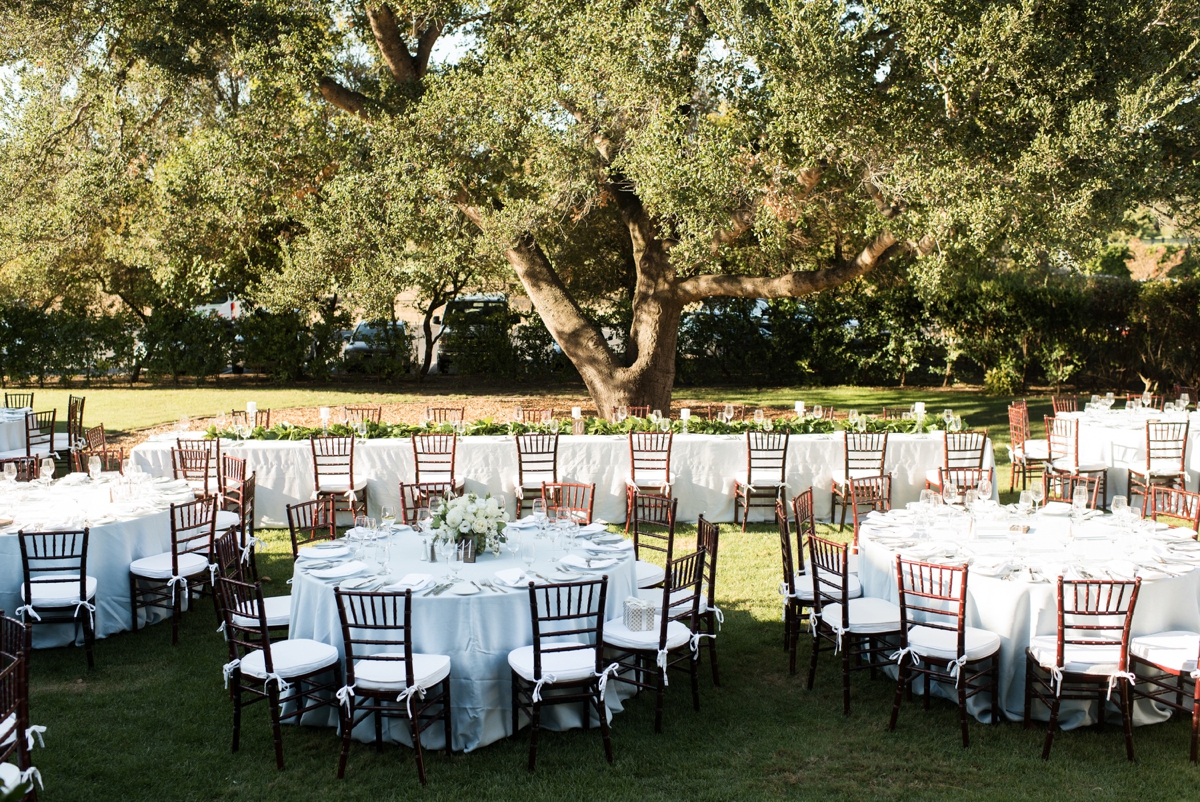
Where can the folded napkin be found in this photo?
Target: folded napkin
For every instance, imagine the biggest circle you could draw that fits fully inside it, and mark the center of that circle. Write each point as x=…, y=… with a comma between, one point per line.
x=410, y=582
x=72, y=479
x=1056, y=508
x=624, y=545
x=592, y=528
x=991, y=567
x=575, y=561
x=513, y=577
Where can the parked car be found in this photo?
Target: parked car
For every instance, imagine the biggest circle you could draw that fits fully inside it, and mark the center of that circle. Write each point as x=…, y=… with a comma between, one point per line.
x=378, y=346
x=468, y=321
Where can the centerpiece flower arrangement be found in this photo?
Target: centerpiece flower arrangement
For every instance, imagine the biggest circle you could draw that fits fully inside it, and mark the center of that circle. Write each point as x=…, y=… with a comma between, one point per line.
x=470, y=517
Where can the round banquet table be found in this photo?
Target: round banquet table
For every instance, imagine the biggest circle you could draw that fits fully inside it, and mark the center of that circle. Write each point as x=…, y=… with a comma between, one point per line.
x=704, y=467
x=1018, y=604
x=1117, y=437
x=119, y=533
x=477, y=632
x=12, y=429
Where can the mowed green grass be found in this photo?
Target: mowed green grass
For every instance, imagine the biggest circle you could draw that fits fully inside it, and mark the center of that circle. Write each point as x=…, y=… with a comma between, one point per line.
x=152, y=722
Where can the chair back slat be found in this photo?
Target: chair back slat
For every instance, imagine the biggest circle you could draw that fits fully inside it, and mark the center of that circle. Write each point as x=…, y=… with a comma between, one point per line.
x=537, y=458
x=830, y=575
x=682, y=590
x=414, y=496
x=55, y=558
x=311, y=521
x=936, y=593
x=39, y=432
x=708, y=537
x=365, y=413
x=963, y=449
x=865, y=451
x=1064, y=403
x=1096, y=612
x=333, y=461
x=1018, y=425
x=194, y=466
x=18, y=400
x=567, y=617
x=1166, y=445
x=1176, y=503
x=445, y=414
x=433, y=457
x=262, y=418
x=27, y=467
x=377, y=626
x=965, y=478
x=650, y=456
x=785, y=548
x=653, y=523
x=533, y=415
x=241, y=604
x=766, y=457
x=1063, y=436
x=571, y=498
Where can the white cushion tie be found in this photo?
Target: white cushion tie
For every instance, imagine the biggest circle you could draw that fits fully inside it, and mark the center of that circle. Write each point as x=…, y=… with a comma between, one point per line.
x=32, y=773
x=956, y=667
x=1196, y=674
x=407, y=694
x=839, y=631
x=35, y=730
x=720, y=616
x=344, y=695
x=537, y=689
x=91, y=608
x=171, y=585
x=248, y=549
x=228, y=669
x=1117, y=675
x=284, y=685
x=661, y=661
x=28, y=609
x=695, y=642
x=1056, y=679
x=909, y=652
x=613, y=670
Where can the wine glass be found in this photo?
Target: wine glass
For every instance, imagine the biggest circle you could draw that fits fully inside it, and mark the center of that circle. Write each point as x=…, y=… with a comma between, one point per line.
x=47, y=471
x=539, y=513
x=818, y=411
x=948, y=416
x=383, y=555
x=728, y=414
x=852, y=417
x=656, y=415
x=1119, y=503
x=984, y=487
x=10, y=472
x=360, y=527
x=1147, y=399
x=1079, y=500
x=424, y=516
x=1184, y=400
x=1038, y=492
x=448, y=548
x=1025, y=502
x=759, y=416
x=949, y=493
x=221, y=421
x=529, y=552
x=387, y=513
x=94, y=467
x=551, y=520
x=185, y=423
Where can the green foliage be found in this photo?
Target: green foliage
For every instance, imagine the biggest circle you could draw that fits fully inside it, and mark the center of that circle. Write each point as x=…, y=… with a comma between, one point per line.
x=178, y=343
x=1003, y=378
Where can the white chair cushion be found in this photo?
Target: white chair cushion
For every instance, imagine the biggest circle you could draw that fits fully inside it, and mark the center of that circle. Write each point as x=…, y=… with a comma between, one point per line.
x=651, y=479
x=388, y=675
x=1101, y=660
x=867, y=616
x=565, y=666
x=341, y=484
x=804, y=586
x=943, y=644
x=159, y=565
x=617, y=634
x=1067, y=466
x=278, y=610
x=1164, y=470
x=62, y=441
x=1033, y=450
x=59, y=594
x=934, y=477
x=226, y=520
x=533, y=483
x=40, y=451
x=292, y=658
x=649, y=574
x=1175, y=650
x=761, y=482
x=839, y=476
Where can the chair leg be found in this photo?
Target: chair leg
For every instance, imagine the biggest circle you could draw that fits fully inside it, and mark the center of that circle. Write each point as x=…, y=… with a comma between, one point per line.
x=901, y=676
x=176, y=614
x=812, y=666
x=962, y=709
x=347, y=726
x=712, y=648
x=379, y=732
x=695, y=684
x=1127, y=719
x=89, y=639
x=535, y=723
x=1054, y=705
x=658, y=701
x=516, y=707
x=133, y=601
x=237, y=709
x=276, y=730
x=1028, y=717
x=745, y=510
x=446, y=714
x=602, y=712
x=996, y=688
x=846, y=680
x=414, y=727
x=1195, y=728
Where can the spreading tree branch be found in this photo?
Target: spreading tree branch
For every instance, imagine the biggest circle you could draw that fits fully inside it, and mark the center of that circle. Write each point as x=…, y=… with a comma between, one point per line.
x=391, y=45
x=345, y=99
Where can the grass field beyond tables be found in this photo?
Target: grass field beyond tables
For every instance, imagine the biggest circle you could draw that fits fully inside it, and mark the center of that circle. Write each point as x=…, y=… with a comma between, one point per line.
x=153, y=722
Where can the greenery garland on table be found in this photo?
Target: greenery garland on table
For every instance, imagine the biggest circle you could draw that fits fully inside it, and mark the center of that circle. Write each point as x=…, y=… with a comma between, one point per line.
x=489, y=426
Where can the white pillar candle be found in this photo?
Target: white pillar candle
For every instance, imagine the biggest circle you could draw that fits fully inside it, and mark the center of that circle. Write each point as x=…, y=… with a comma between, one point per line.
x=799, y=409
x=251, y=409
x=324, y=414
x=576, y=412
x=685, y=414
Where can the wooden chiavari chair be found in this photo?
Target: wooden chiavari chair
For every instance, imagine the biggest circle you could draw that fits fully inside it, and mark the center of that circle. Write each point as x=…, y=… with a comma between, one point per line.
x=1164, y=664
x=864, y=456
x=708, y=537
x=857, y=628
x=1176, y=504
x=39, y=434
x=570, y=499
x=311, y=521
x=872, y=492
x=1166, y=448
x=534, y=415
x=163, y=580
x=295, y=664
x=653, y=530
x=1089, y=655
x=1064, y=403
x=434, y=459
x=334, y=474
x=1061, y=487
x=1063, y=436
x=633, y=410
x=370, y=414
x=1181, y=389
x=415, y=496
x=1028, y=456
x=385, y=678
x=56, y=587
x=566, y=657
x=537, y=464
x=649, y=467
x=236, y=562
x=262, y=418
x=765, y=476
x=27, y=467
x=959, y=450
x=673, y=645
x=95, y=444
x=938, y=644
x=445, y=414
x=213, y=446
x=1156, y=401
x=16, y=731
x=194, y=466
x=18, y=400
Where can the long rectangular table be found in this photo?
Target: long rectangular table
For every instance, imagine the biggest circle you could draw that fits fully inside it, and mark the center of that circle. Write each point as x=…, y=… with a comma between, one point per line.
x=704, y=466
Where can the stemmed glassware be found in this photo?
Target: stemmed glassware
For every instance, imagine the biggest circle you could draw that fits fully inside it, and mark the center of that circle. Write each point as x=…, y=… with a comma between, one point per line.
x=984, y=487
x=728, y=414
x=221, y=421
x=10, y=473
x=949, y=493
x=622, y=413
x=47, y=470
x=424, y=517
x=387, y=514
x=539, y=514
x=1037, y=492
x=1025, y=502
x=948, y=417
x=94, y=467
x=1079, y=499
x=818, y=411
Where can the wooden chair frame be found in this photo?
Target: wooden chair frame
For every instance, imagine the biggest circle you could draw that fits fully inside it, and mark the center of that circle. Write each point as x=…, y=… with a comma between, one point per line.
x=18, y=400
x=1174, y=502
x=262, y=418
x=766, y=473
x=39, y=433
x=708, y=536
x=58, y=558
x=434, y=455
x=1063, y=436
x=368, y=413
x=15, y=648
x=27, y=467
x=214, y=464
x=311, y=521
x=1064, y=403
x=864, y=453
x=1166, y=444
x=1018, y=435
x=575, y=499
x=445, y=414
x=873, y=492
x=537, y=462
x=533, y=415
x=654, y=524
x=415, y=496
x=964, y=449
x=1156, y=400
x=1061, y=487
x=193, y=531
x=334, y=457
x=194, y=465
x=649, y=466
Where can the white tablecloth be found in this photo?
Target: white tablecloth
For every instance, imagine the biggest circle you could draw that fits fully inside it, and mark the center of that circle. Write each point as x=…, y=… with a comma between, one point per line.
x=477, y=633
x=119, y=534
x=1117, y=437
x=1018, y=609
x=704, y=466
x=12, y=429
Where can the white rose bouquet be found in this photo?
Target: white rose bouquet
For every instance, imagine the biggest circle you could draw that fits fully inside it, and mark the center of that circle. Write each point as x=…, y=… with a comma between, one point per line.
x=471, y=517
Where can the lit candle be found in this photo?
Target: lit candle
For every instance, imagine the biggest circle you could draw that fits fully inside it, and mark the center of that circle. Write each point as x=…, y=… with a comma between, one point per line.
x=685, y=414
x=799, y=409
x=576, y=412
x=251, y=409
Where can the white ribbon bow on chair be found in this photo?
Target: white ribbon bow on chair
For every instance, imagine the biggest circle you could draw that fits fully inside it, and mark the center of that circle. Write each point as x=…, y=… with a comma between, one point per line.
x=283, y=685
x=956, y=668
x=1118, y=675
x=34, y=730
x=786, y=594
x=248, y=549
x=720, y=616
x=31, y=773
x=28, y=608
x=695, y=643
x=839, y=631
x=228, y=669
x=344, y=695
x=1196, y=674
x=407, y=694
x=909, y=652
x=1056, y=679
x=661, y=662
x=91, y=608
x=547, y=679
x=171, y=584
x=613, y=670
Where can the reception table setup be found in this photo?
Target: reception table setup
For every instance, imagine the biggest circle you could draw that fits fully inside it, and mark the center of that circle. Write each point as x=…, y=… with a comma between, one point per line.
x=704, y=465
x=1015, y=557
x=474, y=612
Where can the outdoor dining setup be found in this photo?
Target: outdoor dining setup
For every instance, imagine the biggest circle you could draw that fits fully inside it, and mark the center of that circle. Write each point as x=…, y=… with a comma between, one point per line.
x=456, y=583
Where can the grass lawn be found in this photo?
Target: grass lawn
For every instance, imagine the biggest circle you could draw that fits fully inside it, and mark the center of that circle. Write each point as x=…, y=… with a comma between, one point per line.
x=152, y=722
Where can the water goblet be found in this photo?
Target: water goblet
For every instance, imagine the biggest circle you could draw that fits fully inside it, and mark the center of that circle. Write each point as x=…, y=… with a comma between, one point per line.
x=769, y=425
x=361, y=429
x=948, y=416
x=728, y=413
x=1025, y=502
x=529, y=553
x=10, y=472
x=1119, y=503
x=656, y=415
x=539, y=513
x=1038, y=493
x=94, y=467
x=359, y=531
x=664, y=425
x=221, y=421
x=760, y=416
x=383, y=555
x=949, y=493
x=387, y=513
x=1184, y=400
x=47, y=470
x=622, y=413
x=985, y=486
x=423, y=519
x=1079, y=500
x=818, y=411
x=185, y=423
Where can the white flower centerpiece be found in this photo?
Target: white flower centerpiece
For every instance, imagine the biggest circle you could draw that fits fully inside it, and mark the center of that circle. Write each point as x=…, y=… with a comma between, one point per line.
x=469, y=517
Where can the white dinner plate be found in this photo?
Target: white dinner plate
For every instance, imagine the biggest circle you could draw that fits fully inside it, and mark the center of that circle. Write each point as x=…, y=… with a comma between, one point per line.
x=464, y=589
x=355, y=583
x=326, y=545
x=327, y=553
x=338, y=571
